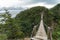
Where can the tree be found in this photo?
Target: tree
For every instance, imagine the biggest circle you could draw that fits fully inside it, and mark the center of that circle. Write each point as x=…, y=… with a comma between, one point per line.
x=56, y=19
x=11, y=29
x=27, y=19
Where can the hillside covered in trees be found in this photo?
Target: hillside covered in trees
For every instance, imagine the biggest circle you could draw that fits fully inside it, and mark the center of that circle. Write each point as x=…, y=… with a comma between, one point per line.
x=21, y=26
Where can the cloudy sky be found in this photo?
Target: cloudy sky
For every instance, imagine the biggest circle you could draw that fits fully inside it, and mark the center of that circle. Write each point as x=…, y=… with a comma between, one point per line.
x=28, y=3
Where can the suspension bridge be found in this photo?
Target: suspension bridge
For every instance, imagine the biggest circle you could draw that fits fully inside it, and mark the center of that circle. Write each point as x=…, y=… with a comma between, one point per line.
x=41, y=32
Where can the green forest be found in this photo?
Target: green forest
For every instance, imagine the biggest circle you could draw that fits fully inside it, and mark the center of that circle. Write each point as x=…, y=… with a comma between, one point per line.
x=22, y=25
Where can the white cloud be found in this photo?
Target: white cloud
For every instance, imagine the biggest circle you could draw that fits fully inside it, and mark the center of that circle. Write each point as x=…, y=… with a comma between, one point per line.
x=24, y=3
x=47, y=3
x=9, y=3
x=39, y=4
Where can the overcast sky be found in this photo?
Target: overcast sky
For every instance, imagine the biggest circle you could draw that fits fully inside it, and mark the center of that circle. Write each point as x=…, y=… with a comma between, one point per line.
x=28, y=3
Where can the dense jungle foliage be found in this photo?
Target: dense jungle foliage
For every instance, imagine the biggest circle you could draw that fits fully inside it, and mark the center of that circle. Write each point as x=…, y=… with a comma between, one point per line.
x=21, y=26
